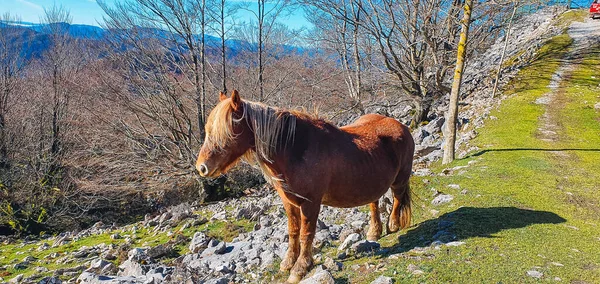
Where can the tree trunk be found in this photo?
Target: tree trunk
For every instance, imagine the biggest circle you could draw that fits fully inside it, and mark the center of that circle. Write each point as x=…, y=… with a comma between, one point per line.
x=356, y=53
x=450, y=131
x=203, y=67
x=55, y=148
x=223, y=58
x=3, y=150
x=3, y=108
x=504, y=50
x=261, y=12
x=197, y=82
x=421, y=113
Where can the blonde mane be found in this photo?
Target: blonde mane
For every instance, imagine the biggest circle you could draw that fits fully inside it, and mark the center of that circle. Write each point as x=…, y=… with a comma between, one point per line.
x=268, y=124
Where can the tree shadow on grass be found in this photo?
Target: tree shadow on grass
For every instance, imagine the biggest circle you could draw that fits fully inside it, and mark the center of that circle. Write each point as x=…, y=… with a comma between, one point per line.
x=479, y=153
x=469, y=222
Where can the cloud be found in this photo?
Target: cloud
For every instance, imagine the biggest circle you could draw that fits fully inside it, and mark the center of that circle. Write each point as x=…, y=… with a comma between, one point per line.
x=31, y=4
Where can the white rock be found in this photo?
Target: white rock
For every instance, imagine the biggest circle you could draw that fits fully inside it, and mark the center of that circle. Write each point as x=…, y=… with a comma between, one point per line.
x=267, y=258
x=19, y=278
x=441, y=199
x=535, y=274
x=219, y=216
x=43, y=247
x=199, y=242
x=130, y=268
x=41, y=269
x=320, y=277
x=358, y=224
x=332, y=264
x=455, y=244
x=137, y=254
x=350, y=239
x=100, y=266
x=454, y=186
x=383, y=280
x=365, y=246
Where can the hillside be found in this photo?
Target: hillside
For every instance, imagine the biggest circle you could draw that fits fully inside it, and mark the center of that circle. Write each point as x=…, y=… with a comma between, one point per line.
x=520, y=206
x=33, y=39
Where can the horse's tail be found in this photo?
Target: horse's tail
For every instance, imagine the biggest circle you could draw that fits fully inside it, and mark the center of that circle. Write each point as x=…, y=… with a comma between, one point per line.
x=405, y=206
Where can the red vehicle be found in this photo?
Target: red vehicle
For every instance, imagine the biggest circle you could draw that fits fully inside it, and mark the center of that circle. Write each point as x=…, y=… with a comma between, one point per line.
x=595, y=9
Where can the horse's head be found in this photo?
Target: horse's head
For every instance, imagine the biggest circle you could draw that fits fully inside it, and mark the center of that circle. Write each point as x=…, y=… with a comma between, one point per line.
x=228, y=137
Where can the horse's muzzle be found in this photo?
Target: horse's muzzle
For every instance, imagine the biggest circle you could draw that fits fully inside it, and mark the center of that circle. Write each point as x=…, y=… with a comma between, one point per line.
x=202, y=169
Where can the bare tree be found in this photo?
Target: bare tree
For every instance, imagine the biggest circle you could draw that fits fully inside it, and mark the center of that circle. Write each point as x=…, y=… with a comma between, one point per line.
x=12, y=65
x=406, y=35
x=58, y=63
x=165, y=70
x=267, y=14
x=221, y=13
x=450, y=131
x=414, y=41
x=343, y=36
x=185, y=21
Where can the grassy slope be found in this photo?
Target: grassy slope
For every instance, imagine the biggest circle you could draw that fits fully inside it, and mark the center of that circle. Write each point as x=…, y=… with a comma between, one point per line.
x=526, y=208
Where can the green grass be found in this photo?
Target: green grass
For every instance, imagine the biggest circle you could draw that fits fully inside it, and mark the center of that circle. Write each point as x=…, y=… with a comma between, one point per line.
x=525, y=207
x=574, y=15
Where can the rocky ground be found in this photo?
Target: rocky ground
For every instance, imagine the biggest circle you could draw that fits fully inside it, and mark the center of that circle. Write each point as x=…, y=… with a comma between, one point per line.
x=243, y=240
x=250, y=257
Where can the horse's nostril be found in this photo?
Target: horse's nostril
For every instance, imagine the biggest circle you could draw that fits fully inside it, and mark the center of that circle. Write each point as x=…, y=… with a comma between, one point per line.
x=203, y=169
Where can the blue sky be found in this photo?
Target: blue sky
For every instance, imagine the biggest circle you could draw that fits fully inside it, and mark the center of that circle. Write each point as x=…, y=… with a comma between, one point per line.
x=89, y=13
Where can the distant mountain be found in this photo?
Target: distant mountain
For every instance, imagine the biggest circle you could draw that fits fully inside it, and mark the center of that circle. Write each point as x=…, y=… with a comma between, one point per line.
x=33, y=39
x=75, y=30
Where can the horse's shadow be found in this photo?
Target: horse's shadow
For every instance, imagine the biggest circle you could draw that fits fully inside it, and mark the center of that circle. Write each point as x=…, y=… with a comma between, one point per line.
x=469, y=222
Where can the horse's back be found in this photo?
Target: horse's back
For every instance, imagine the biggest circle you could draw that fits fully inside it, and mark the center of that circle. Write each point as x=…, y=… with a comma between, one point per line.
x=382, y=127
x=387, y=136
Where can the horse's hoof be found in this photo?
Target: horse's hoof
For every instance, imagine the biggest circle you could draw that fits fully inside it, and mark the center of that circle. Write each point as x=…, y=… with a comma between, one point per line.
x=300, y=269
x=285, y=266
x=294, y=279
x=373, y=237
x=287, y=263
x=392, y=228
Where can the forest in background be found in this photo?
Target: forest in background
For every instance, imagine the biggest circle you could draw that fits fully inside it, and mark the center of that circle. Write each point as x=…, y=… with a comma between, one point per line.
x=108, y=128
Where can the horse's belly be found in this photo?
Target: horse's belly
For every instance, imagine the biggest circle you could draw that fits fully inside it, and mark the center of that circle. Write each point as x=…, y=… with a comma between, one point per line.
x=346, y=201
x=354, y=192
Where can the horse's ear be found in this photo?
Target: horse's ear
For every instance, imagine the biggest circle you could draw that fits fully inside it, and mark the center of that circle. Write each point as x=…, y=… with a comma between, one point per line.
x=236, y=101
x=222, y=96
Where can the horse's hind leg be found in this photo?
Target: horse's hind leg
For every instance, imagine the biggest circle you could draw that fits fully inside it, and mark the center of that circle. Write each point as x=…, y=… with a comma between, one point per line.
x=375, y=227
x=293, y=250
x=401, y=210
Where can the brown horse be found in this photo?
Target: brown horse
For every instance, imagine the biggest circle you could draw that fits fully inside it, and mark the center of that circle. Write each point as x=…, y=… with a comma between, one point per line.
x=311, y=162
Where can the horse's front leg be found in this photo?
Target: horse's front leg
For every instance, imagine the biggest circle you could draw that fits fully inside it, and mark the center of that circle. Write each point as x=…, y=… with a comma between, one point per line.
x=293, y=250
x=309, y=212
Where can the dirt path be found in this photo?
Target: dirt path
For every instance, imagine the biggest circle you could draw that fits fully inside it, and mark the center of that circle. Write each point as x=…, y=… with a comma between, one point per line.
x=584, y=35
